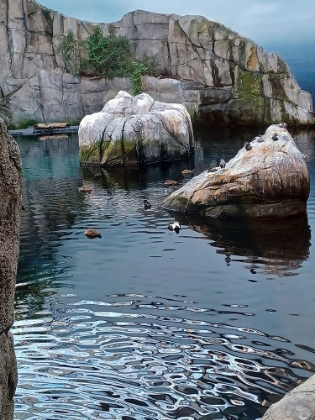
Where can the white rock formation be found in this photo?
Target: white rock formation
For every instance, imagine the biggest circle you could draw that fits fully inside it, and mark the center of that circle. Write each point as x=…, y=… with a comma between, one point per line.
x=135, y=130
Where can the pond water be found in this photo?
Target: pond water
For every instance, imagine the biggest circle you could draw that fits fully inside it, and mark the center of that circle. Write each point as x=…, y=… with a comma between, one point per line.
x=216, y=322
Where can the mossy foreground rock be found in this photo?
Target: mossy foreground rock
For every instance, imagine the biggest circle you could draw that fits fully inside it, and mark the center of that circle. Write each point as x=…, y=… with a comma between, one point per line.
x=10, y=208
x=135, y=130
x=267, y=178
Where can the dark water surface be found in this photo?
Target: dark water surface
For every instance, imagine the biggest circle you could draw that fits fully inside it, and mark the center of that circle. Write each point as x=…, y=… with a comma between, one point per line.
x=216, y=322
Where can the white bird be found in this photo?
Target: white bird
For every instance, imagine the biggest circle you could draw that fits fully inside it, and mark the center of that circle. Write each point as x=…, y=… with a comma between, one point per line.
x=174, y=226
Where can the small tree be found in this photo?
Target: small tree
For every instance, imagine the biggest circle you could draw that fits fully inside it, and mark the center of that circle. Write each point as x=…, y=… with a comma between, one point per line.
x=69, y=50
x=108, y=56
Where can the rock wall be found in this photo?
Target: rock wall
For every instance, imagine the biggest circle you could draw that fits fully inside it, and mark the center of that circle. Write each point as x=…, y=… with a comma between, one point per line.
x=220, y=76
x=10, y=207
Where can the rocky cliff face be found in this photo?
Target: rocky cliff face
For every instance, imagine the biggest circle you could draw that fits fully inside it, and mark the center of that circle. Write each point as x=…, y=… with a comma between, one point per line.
x=10, y=207
x=220, y=76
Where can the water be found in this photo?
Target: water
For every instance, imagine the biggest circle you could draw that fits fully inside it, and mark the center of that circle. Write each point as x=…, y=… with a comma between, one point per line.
x=215, y=322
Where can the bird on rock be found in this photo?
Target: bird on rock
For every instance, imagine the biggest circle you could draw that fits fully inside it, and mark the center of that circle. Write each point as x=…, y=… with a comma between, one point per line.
x=222, y=163
x=92, y=233
x=146, y=204
x=175, y=226
x=260, y=139
x=247, y=145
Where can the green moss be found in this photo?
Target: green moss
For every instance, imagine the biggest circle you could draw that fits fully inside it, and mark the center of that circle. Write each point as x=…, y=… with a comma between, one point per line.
x=25, y=123
x=250, y=91
x=90, y=154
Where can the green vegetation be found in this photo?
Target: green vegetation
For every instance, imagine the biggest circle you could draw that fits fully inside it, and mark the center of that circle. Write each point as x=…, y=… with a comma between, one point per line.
x=70, y=52
x=24, y=124
x=106, y=56
x=250, y=90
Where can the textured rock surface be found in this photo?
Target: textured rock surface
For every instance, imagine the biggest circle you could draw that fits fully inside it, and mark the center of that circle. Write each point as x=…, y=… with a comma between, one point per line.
x=134, y=130
x=10, y=207
x=269, y=180
x=298, y=404
x=222, y=77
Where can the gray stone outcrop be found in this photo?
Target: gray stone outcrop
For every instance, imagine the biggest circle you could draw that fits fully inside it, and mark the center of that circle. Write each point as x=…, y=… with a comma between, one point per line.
x=132, y=130
x=216, y=73
x=10, y=207
x=298, y=404
x=267, y=178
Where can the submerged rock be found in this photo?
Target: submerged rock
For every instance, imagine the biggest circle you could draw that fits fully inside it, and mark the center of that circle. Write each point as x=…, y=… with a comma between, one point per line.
x=270, y=179
x=133, y=130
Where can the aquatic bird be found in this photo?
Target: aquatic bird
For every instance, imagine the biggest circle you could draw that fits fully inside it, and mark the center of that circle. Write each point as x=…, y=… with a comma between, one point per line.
x=85, y=189
x=275, y=137
x=170, y=182
x=259, y=139
x=92, y=233
x=187, y=171
x=282, y=125
x=23, y=208
x=146, y=204
x=222, y=163
x=247, y=145
x=175, y=226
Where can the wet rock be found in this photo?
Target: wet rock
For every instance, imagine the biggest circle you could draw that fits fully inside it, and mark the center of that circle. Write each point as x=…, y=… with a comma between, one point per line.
x=270, y=179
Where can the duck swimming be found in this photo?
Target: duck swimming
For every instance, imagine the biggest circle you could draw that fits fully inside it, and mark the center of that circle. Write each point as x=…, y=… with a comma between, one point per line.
x=170, y=182
x=146, y=204
x=85, y=189
x=175, y=226
x=187, y=171
x=92, y=233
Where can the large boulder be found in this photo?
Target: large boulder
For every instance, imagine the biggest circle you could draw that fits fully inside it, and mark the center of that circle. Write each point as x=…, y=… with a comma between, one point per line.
x=267, y=178
x=297, y=404
x=10, y=208
x=134, y=130
x=220, y=76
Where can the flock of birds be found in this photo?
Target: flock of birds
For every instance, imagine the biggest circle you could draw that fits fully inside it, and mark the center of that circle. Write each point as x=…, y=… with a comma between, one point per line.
x=248, y=146
x=173, y=226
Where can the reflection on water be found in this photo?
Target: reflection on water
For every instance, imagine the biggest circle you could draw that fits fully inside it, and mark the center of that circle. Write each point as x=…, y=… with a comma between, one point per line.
x=215, y=322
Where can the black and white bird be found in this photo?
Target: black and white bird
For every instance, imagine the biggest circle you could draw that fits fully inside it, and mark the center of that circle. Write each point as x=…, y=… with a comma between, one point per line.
x=275, y=137
x=146, y=204
x=247, y=145
x=175, y=226
x=222, y=163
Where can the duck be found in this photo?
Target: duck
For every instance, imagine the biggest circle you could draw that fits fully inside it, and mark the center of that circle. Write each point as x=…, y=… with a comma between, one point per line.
x=85, y=189
x=187, y=171
x=170, y=182
x=146, y=204
x=175, y=226
x=222, y=163
x=92, y=233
